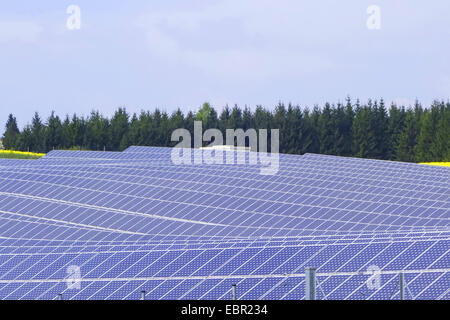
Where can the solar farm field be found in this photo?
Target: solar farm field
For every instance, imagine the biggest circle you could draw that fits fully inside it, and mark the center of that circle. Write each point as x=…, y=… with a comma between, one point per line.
x=109, y=225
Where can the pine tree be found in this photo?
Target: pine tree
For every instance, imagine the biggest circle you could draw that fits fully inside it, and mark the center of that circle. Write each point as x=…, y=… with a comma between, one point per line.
x=305, y=132
x=78, y=128
x=213, y=120
x=131, y=136
x=280, y=122
x=72, y=132
x=327, y=131
x=10, y=139
x=247, y=119
x=428, y=126
x=163, y=130
x=53, y=133
x=364, y=140
x=294, y=130
x=224, y=120
x=313, y=132
x=380, y=128
x=367, y=131
x=189, y=125
x=38, y=134
x=236, y=121
x=26, y=139
x=396, y=125
x=97, y=132
x=176, y=121
x=262, y=118
x=118, y=128
x=407, y=140
x=440, y=147
x=343, y=118
x=155, y=129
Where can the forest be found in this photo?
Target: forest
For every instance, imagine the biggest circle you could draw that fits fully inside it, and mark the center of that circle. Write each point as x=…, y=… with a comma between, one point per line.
x=369, y=130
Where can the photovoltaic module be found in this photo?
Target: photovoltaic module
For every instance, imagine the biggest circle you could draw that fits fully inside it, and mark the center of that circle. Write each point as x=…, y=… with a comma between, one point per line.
x=109, y=225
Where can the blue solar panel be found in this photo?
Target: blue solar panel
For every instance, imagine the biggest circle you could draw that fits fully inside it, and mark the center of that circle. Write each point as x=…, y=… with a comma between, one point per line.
x=107, y=225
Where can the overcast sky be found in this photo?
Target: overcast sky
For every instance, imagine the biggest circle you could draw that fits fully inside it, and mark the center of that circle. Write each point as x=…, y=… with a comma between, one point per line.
x=173, y=53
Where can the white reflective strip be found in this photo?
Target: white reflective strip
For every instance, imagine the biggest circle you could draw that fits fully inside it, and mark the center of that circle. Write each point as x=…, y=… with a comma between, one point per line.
x=251, y=276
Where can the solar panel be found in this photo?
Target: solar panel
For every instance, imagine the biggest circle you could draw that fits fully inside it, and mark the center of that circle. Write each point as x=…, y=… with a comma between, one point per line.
x=107, y=225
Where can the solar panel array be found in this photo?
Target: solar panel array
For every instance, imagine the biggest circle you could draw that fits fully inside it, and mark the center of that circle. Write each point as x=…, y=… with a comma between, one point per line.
x=108, y=225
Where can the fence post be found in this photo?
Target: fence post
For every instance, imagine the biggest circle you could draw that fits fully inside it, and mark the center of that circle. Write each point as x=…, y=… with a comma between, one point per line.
x=402, y=286
x=142, y=295
x=310, y=283
x=60, y=297
x=233, y=292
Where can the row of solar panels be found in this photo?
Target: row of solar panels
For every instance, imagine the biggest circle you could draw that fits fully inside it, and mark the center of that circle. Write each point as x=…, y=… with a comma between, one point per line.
x=240, y=260
x=134, y=221
x=433, y=285
x=347, y=262
x=293, y=202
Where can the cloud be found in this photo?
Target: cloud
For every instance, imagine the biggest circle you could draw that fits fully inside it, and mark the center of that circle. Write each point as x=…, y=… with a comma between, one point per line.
x=19, y=30
x=234, y=39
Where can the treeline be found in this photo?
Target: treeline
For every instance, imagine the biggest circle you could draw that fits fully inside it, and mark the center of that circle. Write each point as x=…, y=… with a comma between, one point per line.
x=369, y=130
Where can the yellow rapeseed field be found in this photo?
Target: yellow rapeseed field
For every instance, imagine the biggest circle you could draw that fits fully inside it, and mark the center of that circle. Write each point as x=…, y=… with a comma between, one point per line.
x=442, y=164
x=11, y=154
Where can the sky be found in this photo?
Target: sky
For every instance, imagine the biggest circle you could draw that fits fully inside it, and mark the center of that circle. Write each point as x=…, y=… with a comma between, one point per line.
x=178, y=54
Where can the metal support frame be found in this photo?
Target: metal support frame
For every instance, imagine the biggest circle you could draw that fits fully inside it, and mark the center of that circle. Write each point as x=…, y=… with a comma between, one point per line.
x=402, y=286
x=310, y=284
x=143, y=295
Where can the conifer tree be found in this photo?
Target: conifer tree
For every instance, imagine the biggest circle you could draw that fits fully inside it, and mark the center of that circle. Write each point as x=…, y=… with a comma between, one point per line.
x=380, y=130
x=369, y=131
x=364, y=140
x=327, y=131
x=37, y=134
x=53, y=133
x=118, y=128
x=440, y=147
x=396, y=125
x=10, y=139
x=407, y=140
x=428, y=126
x=343, y=118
